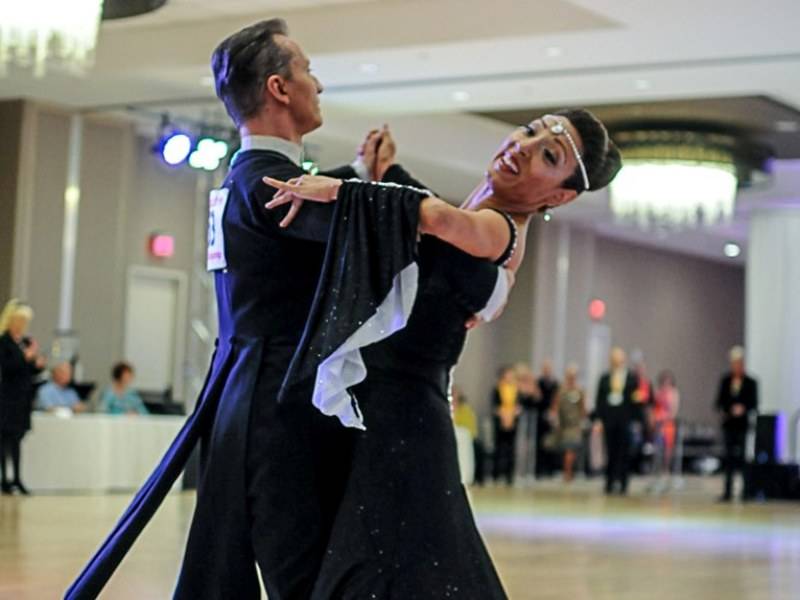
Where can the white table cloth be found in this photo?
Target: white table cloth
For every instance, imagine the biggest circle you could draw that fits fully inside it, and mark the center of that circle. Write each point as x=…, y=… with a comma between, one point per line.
x=95, y=452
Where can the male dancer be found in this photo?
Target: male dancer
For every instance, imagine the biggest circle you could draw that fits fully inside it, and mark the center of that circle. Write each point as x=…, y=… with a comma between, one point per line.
x=272, y=473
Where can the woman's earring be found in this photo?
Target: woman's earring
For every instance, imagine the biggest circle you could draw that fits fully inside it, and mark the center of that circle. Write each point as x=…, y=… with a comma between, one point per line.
x=546, y=213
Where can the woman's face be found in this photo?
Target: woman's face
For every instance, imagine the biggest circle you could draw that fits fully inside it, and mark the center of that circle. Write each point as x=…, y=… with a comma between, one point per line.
x=527, y=172
x=126, y=379
x=18, y=325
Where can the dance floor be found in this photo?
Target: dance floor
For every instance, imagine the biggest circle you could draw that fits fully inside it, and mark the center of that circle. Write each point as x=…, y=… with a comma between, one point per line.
x=549, y=543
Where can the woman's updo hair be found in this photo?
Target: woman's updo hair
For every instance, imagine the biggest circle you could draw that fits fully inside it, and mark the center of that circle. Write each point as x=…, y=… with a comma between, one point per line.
x=601, y=157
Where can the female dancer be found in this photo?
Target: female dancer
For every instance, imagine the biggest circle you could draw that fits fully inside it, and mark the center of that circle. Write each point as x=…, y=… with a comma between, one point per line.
x=405, y=528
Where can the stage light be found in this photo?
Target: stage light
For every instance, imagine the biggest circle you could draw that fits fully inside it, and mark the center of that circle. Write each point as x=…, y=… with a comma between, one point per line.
x=732, y=250
x=175, y=148
x=208, y=154
x=310, y=167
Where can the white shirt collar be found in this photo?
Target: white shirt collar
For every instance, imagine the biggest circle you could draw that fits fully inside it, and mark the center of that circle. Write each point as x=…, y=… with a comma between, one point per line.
x=292, y=151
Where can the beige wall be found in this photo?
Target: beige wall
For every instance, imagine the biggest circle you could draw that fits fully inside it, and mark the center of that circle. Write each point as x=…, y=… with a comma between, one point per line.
x=683, y=312
x=126, y=194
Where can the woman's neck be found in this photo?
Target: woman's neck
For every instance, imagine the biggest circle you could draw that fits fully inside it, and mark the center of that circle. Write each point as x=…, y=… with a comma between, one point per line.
x=483, y=197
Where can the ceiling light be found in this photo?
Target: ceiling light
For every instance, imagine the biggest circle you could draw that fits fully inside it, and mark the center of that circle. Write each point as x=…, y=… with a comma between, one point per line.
x=40, y=32
x=553, y=51
x=461, y=96
x=732, y=250
x=368, y=68
x=674, y=192
x=642, y=84
x=676, y=178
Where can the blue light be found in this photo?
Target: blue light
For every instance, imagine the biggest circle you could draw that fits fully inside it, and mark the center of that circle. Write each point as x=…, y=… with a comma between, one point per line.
x=176, y=148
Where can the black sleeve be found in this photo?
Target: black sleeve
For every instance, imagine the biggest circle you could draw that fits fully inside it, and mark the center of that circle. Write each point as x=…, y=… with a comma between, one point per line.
x=12, y=359
x=720, y=402
x=495, y=398
x=343, y=172
x=373, y=239
x=397, y=174
x=601, y=399
x=313, y=222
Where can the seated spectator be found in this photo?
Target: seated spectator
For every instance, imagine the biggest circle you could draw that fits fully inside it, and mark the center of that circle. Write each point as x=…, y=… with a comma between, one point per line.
x=119, y=398
x=56, y=393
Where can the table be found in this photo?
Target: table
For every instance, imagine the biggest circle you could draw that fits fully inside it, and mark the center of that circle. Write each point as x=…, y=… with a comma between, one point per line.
x=95, y=452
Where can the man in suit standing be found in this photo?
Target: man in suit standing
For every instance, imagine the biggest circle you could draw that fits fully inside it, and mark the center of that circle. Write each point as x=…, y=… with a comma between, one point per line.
x=737, y=400
x=615, y=409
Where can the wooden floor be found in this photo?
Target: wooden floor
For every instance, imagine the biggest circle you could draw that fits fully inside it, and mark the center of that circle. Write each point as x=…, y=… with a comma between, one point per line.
x=549, y=542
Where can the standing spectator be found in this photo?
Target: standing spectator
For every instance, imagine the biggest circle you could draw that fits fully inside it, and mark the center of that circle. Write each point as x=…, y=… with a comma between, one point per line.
x=615, y=410
x=548, y=386
x=737, y=400
x=569, y=411
x=57, y=394
x=505, y=401
x=529, y=398
x=464, y=416
x=119, y=398
x=20, y=362
x=666, y=402
x=642, y=432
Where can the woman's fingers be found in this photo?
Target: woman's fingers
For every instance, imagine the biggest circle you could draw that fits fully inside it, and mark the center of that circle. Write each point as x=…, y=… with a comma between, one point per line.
x=280, y=185
x=280, y=199
x=297, y=203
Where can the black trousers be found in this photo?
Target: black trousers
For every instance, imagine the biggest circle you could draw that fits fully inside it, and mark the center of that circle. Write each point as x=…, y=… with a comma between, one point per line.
x=480, y=459
x=544, y=457
x=733, y=459
x=10, y=444
x=504, y=453
x=618, y=446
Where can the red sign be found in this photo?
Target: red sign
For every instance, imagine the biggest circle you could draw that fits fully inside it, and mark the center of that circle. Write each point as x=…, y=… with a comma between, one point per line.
x=161, y=245
x=597, y=309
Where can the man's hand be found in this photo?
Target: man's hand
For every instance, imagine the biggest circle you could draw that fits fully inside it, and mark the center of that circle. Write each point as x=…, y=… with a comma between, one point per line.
x=738, y=409
x=295, y=191
x=387, y=153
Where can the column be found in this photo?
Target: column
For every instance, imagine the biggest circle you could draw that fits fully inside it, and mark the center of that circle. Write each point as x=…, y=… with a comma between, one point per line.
x=772, y=317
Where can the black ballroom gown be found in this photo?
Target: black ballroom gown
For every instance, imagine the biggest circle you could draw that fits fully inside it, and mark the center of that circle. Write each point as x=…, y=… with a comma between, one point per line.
x=405, y=529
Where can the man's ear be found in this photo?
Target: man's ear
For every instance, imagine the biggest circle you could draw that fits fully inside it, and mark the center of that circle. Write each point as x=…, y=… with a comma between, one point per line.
x=276, y=87
x=560, y=197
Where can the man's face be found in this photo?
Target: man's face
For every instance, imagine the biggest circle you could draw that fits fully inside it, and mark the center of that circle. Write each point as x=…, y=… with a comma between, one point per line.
x=737, y=367
x=618, y=358
x=303, y=89
x=62, y=374
x=532, y=163
x=547, y=369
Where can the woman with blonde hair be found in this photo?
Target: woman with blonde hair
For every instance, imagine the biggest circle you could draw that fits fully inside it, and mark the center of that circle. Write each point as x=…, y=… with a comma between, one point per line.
x=19, y=364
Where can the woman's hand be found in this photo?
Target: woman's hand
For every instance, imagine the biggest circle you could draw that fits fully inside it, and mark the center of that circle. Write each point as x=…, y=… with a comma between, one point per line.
x=387, y=153
x=317, y=188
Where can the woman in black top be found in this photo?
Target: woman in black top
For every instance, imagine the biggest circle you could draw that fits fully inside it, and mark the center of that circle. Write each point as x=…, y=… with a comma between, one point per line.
x=19, y=364
x=405, y=528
